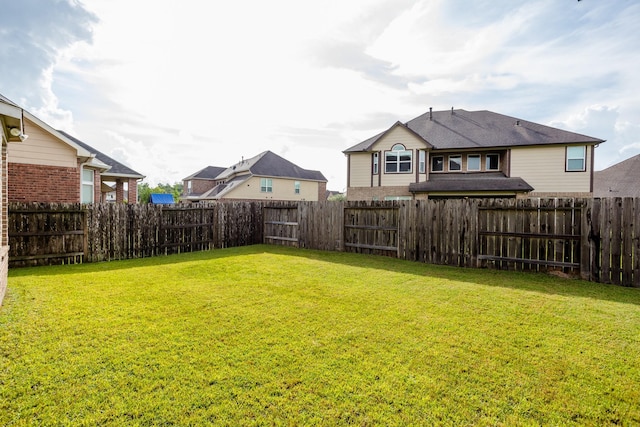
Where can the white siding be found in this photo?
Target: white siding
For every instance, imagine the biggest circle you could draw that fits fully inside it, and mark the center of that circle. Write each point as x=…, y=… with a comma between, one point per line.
x=41, y=148
x=360, y=174
x=544, y=169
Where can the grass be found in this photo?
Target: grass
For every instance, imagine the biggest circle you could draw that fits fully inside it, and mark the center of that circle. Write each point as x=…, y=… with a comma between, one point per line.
x=265, y=335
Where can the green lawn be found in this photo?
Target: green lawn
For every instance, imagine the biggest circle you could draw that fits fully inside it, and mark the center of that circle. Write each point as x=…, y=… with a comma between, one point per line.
x=264, y=335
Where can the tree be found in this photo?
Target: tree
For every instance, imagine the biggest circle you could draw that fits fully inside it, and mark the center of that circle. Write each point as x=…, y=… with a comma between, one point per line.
x=145, y=191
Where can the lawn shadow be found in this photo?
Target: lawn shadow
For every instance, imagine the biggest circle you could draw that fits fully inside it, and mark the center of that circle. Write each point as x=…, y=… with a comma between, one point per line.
x=528, y=281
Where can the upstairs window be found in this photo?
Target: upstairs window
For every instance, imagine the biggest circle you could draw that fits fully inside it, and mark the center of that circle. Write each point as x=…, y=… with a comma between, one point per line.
x=437, y=164
x=473, y=162
x=87, y=186
x=398, y=160
x=493, y=162
x=189, y=188
x=455, y=163
x=421, y=161
x=266, y=185
x=296, y=187
x=576, y=159
x=375, y=163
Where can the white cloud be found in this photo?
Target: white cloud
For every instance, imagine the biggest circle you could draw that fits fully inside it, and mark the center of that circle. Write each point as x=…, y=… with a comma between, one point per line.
x=172, y=89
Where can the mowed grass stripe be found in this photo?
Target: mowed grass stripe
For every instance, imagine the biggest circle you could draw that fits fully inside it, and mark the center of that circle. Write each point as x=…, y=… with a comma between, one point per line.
x=265, y=335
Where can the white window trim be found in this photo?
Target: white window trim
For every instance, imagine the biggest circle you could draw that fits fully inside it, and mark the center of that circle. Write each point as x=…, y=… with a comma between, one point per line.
x=452, y=156
x=376, y=163
x=583, y=158
x=84, y=183
x=422, y=158
x=266, y=185
x=433, y=158
x=487, y=161
x=479, y=157
x=399, y=150
x=296, y=187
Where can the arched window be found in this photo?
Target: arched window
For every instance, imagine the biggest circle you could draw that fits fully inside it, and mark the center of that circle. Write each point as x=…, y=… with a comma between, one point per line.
x=398, y=160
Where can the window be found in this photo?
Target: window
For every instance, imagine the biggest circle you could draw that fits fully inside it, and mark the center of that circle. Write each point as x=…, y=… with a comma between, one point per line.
x=398, y=160
x=87, y=186
x=189, y=187
x=376, y=162
x=296, y=187
x=421, y=161
x=576, y=159
x=493, y=162
x=437, y=164
x=455, y=163
x=473, y=162
x=266, y=185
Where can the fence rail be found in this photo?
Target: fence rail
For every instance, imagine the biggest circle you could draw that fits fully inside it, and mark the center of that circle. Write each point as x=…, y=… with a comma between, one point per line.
x=597, y=239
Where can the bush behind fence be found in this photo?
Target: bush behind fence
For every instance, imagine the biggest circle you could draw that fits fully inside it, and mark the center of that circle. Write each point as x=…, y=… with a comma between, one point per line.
x=596, y=239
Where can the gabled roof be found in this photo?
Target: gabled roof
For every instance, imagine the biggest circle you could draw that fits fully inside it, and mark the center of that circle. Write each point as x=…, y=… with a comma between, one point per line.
x=210, y=172
x=268, y=164
x=485, y=181
x=461, y=129
x=116, y=169
x=619, y=180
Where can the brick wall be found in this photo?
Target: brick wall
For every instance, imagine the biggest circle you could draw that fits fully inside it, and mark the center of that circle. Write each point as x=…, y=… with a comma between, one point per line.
x=37, y=183
x=198, y=186
x=376, y=193
x=322, y=191
x=132, y=197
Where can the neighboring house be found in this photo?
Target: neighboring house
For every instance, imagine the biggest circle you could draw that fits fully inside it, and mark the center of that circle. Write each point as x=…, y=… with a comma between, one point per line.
x=619, y=180
x=122, y=177
x=266, y=176
x=461, y=153
x=200, y=182
x=11, y=128
x=53, y=166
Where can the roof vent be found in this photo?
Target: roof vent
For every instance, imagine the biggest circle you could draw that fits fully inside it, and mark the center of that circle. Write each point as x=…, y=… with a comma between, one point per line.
x=452, y=111
x=517, y=122
x=430, y=113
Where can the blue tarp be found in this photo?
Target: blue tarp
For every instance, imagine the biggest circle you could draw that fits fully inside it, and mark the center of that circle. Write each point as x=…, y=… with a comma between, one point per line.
x=162, y=199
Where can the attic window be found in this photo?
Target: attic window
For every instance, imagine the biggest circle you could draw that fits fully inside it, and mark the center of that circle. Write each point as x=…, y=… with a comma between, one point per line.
x=398, y=160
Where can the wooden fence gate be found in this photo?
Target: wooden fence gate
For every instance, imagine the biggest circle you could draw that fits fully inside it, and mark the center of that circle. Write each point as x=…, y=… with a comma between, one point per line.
x=372, y=229
x=281, y=225
x=532, y=234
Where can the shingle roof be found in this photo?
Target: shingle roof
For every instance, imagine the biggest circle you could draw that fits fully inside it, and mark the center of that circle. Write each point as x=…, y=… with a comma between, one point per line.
x=271, y=165
x=461, y=129
x=210, y=172
x=619, y=180
x=117, y=168
x=487, y=181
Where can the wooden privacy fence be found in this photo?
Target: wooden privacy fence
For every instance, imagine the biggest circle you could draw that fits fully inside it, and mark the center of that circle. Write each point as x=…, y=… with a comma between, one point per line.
x=42, y=234
x=597, y=239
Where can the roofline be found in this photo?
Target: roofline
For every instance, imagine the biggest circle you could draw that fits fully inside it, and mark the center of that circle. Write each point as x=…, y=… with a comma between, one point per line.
x=384, y=133
x=81, y=152
x=291, y=177
x=124, y=175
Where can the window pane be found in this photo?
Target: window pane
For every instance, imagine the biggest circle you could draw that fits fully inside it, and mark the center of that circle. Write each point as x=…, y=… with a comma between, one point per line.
x=473, y=162
x=492, y=162
x=455, y=163
x=576, y=158
x=87, y=175
x=405, y=166
x=421, y=161
x=87, y=193
x=575, y=165
x=437, y=164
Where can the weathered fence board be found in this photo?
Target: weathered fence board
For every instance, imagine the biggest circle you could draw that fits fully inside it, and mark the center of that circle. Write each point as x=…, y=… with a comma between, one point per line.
x=598, y=239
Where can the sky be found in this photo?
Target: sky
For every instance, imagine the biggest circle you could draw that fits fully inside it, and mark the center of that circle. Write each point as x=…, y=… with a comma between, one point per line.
x=168, y=87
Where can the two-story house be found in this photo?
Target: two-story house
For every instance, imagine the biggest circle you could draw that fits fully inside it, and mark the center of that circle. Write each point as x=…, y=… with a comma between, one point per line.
x=461, y=153
x=266, y=176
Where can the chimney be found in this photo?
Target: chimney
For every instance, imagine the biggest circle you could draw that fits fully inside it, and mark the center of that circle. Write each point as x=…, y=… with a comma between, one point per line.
x=430, y=113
